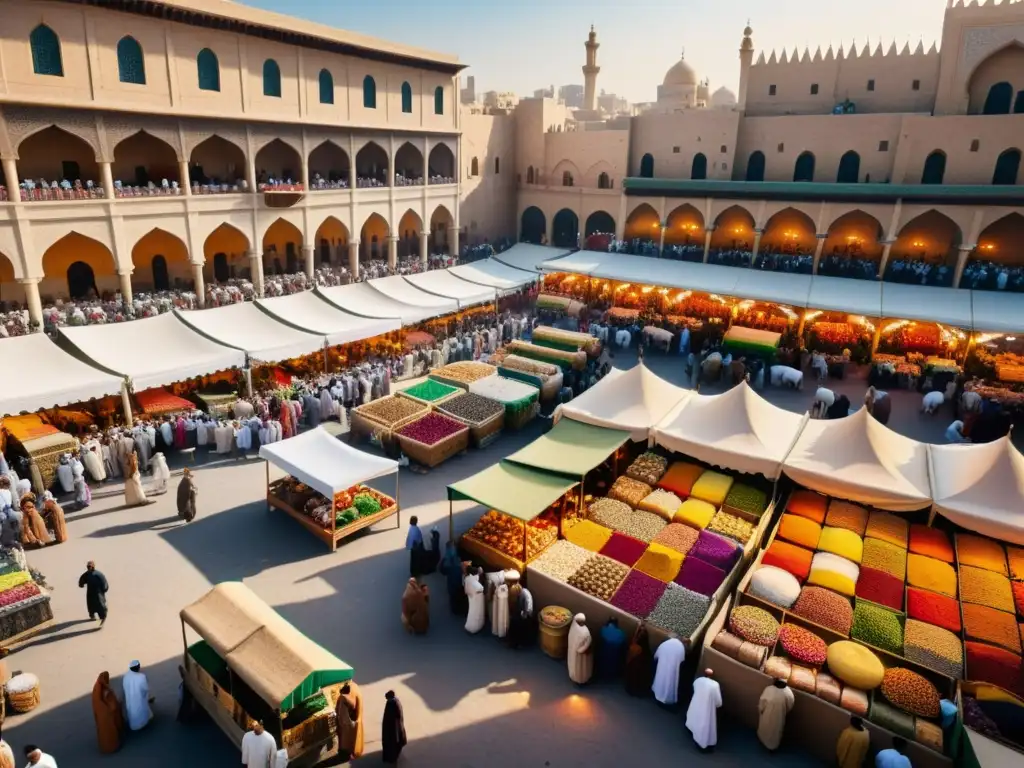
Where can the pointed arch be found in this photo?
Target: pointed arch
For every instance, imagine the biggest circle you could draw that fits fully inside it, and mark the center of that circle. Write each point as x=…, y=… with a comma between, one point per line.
x=684, y=225
x=734, y=229
x=216, y=161
x=789, y=231
x=372, y=164
x=54, y=153
x=1001, y=243
x=533, y=226
x=331, y=238
x=408, y=234
x=278, y=160
x=226, y=248
x=439, y=100
x=803, y=169
x=604, y=181
x=282, y=246
x=934, y=168
x=441, y=221
x=699, y=167
x=78, y=266
x=131, y=65
x=1007, y=167
x=931, y=237
x=991, y=83
x=647, y=166
x=409, y=163
x=755, y=166
x=46, y=53
x=565, y=229
x=441, y=165
x=849, y=168
x=271, y=79
x=855, y=236
x=406, y=98
x=326, y=83
x=330, y=163
x=529, y=175
x=600, y=222
x=141, y=159
x=373, y=237
x=208, y=70
x=474, y=167
x=160, y=261
x=642, y=224
x=369, y=93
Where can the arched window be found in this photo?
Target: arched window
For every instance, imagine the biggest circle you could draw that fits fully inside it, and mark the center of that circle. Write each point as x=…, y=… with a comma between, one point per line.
x=647, y=166
x=131, y=67
x=369, y=93
x=474, y=167
x=209, y=70
x=81, y=281
x=271, y=79
x=407, y=98
x=326, y=87
x=1018, y=104
x=497, y=165
x=439, y=100
x=1007, y=167
x=934, y=168
x=566, y=179
x=755, y=166
x=699, y=167
x=604, y=181
x=221, y=272
x=803, y=170
x=849, y=168
x=998, y=100
x=46, y=59
x=161, y=280
x=529, y=175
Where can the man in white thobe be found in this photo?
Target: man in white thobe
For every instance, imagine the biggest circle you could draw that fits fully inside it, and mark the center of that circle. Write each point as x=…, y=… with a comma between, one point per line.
x=669, y=658
x=259, y=748
x=580, y=656
x=136, y=697
x=702, y=715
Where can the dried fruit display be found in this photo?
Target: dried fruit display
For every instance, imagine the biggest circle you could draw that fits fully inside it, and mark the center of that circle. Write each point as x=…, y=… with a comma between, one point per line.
x=700, y=577
x=599, y=577
x=896, y=720
x=695, y=513
x=789, y=557
x=883, y=556
x=432, y=429
x=747, y=499
x=505, y=533
x=588, y=535
x=774, y=585
x=931, y=574
x=639, y=594
x=855, y=665
x=611, y=513
x=825, y=608
x=661, y=503
x=753, y=624
x=839, y=541
x=933, y=647
x=799, y=530
x=465, y=372
x=680, y=477
x=985, y=587
x=731, y=526
x=911, y=692
x=429, y=391
x=648, y=468
x=624, y=549
x=851, y=517
x=473, y=409
x=981, y=552
x=679, y=611
x=933, y=609
x=877, y=626
x=388, y=411
x=991, y=626
x=643, y=525
x=712, y=487
x=802, y=645
x=629, y=491
x=887, y=527
x=807, y=504
x=989, y=664
x=561, y=560
x=879, y=587
x=930, y=542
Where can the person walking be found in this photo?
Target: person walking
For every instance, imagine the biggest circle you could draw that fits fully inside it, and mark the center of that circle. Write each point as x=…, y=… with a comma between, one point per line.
x=96, y=588
x=776, y=702
x=702, y=714
x=106, y=710
x=392, y=732
x=187, y=497
x=414, y=543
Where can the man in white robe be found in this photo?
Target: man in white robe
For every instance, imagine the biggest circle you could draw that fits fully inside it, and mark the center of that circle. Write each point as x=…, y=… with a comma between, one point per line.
x=669, y=658
x=136, y=697
x=580, y=657
x=499, y=612
x=477, y=609
x=702, y=715
x=259, y=749
x=65, y=476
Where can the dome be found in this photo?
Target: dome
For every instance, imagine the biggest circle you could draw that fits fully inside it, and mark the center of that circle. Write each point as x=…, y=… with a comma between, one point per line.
x=723, y=97
x=680, y=73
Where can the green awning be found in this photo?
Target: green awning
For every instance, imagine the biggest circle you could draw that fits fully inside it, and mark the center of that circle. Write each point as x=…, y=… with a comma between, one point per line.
x=516, y=490
x=571, y=448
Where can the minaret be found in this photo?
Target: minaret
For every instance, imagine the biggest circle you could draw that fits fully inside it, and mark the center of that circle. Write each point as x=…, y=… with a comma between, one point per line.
x=746, y=60
x=590, y=72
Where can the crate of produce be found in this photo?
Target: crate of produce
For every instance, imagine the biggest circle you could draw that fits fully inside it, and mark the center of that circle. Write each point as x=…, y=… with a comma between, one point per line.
x=462, y=374
x=388, y=414
x=430, y=392
x=484, y=417
x=521, y=399
x=564, y=360
x=545, y=376
x=433, y=438
x=566, y=341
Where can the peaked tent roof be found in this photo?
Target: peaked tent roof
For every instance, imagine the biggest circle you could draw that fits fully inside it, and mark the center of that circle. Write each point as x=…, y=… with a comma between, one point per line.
x=312, y=313
x=633, y=400
x=859, y=459
x=366, y=300
x=244, y=326
x=400, y=289
x=58, y=378
x=578, y=262
x=529, y=256
x=441, y=282
x=981, y=487
x=154, y=351
x=737, y=429
x=495, y=274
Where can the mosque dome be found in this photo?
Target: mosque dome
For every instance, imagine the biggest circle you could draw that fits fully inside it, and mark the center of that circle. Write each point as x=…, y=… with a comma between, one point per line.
x=723, y=97
x=680, y=73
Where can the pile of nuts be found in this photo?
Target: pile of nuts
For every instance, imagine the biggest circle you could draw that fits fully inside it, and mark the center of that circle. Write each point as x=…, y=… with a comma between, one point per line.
x=466, y=372
x=753, y=624
x=390, y=410
x=471, y=408
x=731, y=526
x=679, y=610
x=599, y=577
x=648, y=468
x=561, y=560
x=910, y=692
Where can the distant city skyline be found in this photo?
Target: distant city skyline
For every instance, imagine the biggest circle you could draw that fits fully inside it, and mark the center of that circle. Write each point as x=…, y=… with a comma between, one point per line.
x=529, y=45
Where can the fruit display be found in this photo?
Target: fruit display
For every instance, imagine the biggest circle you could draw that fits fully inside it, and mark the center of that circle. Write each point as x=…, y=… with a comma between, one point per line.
x=431, y=428
x=429, y=391
x=802, y=645
x=472, y=409
x=389, y=411
x=910, y=692
x=754, y=625
x=623, y=314
x=599, y=577
x=648, y=468
x=505, y=533
x=24, y=604
x=349, y=506
x=465, y=372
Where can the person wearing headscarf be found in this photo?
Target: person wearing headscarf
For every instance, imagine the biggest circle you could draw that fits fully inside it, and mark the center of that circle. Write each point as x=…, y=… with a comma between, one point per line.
x=83, y=493
x=474, y=591
x=136, y=697
x=161, y=474
x=33, y=528
x=53, y=515
x=96, y=588
x=106, y=710
x=187, y=496
x=774, y=705
x=134, y=493
x=451, y=568
x=580, y=657
x=416, y=608
x=349, y=711
x=392, y=731
x=64, y=474
x=639, y=663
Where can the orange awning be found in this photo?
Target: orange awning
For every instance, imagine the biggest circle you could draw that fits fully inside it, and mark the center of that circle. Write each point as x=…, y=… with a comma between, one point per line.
x=159, y=400
x=28, y=427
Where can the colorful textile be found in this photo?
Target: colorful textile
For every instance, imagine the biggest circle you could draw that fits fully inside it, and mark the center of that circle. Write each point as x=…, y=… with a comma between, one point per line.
x=789, y=557
x=799, y=530
x=834, y=572
x=843, y=514
x=880, y=587
x=930, y=542
x=695, y=513
x=680, y=477
x=712, y=487
x=807, y=504
x=981, y=552
x=933, y=609
x=841, y=542
x=931, y=574
x=887, y=527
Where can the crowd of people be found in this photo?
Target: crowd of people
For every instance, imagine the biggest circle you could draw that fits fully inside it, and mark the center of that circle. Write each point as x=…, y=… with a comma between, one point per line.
x=983, y=275
x=919, y=272
x=801, y=262
x=841, y=265
x=738, y=256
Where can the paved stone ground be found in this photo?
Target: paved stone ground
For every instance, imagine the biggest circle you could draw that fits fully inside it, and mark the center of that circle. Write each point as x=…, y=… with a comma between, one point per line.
x=468, y=700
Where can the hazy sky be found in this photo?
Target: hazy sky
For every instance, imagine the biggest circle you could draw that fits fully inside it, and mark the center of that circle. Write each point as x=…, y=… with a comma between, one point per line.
x=523, y=45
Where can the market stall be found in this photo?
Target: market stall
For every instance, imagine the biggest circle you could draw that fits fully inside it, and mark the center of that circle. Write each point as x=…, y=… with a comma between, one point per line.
x=364, y=300
x=250, y=664
x=158, y=401
x=521, y=400
x=433, y=438
x=25, y=607
x=39, y=442
x=493, y=273
x=462, y=374
x=546, y=377
x=324, y=489
x=529, y=257
x=524, y=506
x=259, y=334
x=382, y=417
x=426, y=305
x=441, y=282
x=310, y=312
x=841, y=337
x=576, y=361
x=566, y=341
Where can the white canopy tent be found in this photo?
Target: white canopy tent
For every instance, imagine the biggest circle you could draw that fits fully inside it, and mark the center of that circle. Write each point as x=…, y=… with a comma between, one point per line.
x=981, y=487
x=858, y=459
x=441, y=282
x=633, y=400
x=578, y=263
x=779, y=287
x=928, y=304
x=997, y=311
x=495, y=274
x=324, y=463
x=310, y=312
x=843, y=294
x=528, y=256
x=57, y=378
x=245, y=326
x=360, y=299
x=154, y=351
x=738, y=430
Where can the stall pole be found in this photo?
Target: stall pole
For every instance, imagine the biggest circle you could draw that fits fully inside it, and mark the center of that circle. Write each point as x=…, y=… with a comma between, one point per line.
x=126, y=404
x=524, y=543
x=325, y=358
x=398, y=499
x=267, y=465
x=451, y=522
x=248, y=380
x=334, y=522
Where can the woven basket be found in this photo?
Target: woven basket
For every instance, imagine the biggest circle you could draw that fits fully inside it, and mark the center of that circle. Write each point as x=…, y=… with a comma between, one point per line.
x=432, y=455
x=25, y=696
x=480, y=432
x=364, y=424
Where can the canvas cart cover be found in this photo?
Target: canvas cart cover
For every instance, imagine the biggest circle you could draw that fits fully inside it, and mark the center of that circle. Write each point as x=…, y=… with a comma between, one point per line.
x=519, y=491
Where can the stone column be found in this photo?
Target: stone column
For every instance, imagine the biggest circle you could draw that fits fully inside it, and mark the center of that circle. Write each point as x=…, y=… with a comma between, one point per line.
x=197, y=277
x=353, y=258
x=424, y=248
x=453, y=241
x=886, y=247
x=707, y=242
x=126, y=286
x=11, y=172
x=184, y=182
x=256, y=271
x=661, y=237
x=392, y=251
x=250, y=173
x=758, y=231
x=35, y=304
x=963, y=256
x=817, y=251
x=107, y=179
x=126, y=405
x=307, y=258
